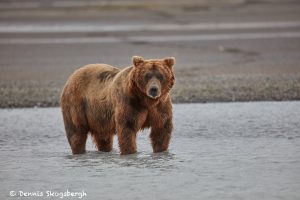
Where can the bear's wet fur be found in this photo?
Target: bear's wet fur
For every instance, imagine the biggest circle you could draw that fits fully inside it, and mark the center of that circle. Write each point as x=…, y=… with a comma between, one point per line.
x=103, y=100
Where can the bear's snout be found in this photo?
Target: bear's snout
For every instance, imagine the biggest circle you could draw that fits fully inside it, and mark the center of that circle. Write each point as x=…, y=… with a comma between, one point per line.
x=153, y=90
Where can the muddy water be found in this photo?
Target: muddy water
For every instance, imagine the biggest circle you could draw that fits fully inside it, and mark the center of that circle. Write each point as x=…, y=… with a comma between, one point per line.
x=218, y=151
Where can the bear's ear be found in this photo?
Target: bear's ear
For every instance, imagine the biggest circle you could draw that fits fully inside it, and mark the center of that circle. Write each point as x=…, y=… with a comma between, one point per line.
x=170, y=62
x=137, y=60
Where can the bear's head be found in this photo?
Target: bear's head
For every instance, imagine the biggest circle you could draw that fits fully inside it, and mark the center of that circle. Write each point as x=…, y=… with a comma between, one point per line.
x=154, y=77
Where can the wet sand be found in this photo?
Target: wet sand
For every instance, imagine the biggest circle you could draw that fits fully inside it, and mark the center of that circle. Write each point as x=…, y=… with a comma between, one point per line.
x=231, y=51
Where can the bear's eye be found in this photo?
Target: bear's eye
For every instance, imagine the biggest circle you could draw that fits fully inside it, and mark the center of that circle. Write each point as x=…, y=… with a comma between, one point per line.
x=148, y=77
x=160, y=77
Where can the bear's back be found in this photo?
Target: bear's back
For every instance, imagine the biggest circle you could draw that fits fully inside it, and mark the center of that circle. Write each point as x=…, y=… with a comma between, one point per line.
x=89, y=79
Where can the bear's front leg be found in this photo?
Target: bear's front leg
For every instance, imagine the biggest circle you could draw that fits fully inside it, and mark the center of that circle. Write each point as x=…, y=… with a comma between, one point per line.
x=128, y=123
x=127, y=141
x=160, y=136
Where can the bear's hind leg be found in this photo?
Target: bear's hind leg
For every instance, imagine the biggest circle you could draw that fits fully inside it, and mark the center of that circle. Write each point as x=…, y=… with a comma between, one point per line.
x=103, y=144
x=77, y=135
x=76, y=125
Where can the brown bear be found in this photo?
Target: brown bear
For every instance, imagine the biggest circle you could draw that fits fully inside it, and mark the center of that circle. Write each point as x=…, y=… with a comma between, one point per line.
x=103, y=100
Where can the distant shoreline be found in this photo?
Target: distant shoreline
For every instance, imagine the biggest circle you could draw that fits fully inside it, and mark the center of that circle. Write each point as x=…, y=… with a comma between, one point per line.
x=174, y=103
x=226, y=51
x=28, y=94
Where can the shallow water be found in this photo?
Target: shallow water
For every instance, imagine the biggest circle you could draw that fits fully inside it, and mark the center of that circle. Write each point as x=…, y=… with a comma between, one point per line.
x=218, y=151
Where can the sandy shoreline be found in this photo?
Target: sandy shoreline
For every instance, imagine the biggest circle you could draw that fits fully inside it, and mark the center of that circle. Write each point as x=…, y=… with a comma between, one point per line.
x=229, y=50
x=187, y=90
